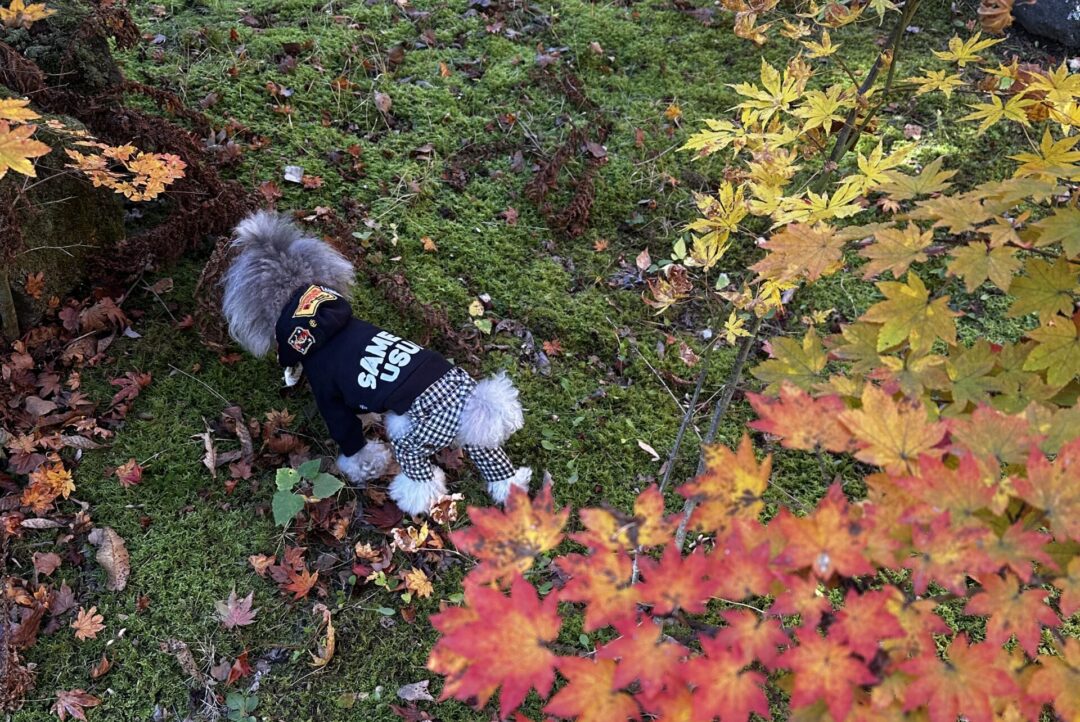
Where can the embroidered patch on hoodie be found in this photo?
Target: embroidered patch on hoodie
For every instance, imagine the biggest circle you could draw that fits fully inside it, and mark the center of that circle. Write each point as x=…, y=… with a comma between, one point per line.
x=310, y=300
x=301, y=340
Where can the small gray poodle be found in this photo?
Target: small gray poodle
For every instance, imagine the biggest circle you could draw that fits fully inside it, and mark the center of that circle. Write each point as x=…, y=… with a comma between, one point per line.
x=285, y=291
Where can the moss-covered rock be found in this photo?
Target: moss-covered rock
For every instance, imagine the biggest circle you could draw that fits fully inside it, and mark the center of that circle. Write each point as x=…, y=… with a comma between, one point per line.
x=61, y=221
x=71, y=47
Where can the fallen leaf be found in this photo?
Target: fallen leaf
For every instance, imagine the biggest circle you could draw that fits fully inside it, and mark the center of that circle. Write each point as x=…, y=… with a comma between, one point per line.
x=72, y=702
x=643, y=261
x=101, y=668
x=129, y=473
x=552, y=347
x=324, y=650
x=35, y=284
x=416, y=692
x=383, y=102
x=648, y=450
x=46, y=562
x=235, y=612
x=418, y=583
x=260, y=563
x=428, y=244
x=87, y=623
x=240, y=668
x=687, y=355
x=112, y=555
x=209, y=458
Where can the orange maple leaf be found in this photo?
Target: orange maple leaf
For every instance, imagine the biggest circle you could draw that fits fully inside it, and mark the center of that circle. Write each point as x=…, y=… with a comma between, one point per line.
x=602, y=582
x=751, y=636
x=611, y=530
x=505, y=645
x=865, y=621
x=1055, y=488
x=722, y=688
x=645, y=654
x=739, y=572
x=829, y=540
x=591, y=695
x=1012, y=611
x=1057, y=681
x=300, y=582
x=824, y=670
x=1070, y=589
x=965, y=684
x=676, y=581
x=801, y=421
x=801, y=251
x=892, y=434
x=730, y=488
x=87, y=623
x=507, y=541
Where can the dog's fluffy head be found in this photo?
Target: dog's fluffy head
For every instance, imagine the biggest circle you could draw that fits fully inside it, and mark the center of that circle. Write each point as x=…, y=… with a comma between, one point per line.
x=275, y=259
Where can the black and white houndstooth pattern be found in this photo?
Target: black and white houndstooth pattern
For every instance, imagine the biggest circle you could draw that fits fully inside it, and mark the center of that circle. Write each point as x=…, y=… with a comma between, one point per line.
x=436, y=418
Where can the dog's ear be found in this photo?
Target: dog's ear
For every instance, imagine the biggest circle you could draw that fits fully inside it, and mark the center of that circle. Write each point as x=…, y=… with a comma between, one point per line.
x=276, y=258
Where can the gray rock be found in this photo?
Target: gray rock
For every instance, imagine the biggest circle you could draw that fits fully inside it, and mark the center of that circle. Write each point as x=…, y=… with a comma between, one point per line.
x=1058, y=20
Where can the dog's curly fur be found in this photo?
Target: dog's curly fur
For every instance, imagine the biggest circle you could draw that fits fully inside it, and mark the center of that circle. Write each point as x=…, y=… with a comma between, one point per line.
x=276, y=258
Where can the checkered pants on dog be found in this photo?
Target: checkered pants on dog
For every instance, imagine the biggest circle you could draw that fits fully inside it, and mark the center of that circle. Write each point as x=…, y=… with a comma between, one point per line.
x=436, y=419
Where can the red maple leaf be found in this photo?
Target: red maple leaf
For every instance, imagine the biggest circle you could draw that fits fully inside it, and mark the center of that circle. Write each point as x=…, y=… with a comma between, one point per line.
x=1019, y=548
x=965, y=684
x=751, y=636
x=722, y=687
x=800, y=596
x=1055, y=488
x=801, y=421
x=602, y=582
x=129, y=473
x=240, y=668
x=507, y=541
x=824, y=669
x=612, y=530
x=947, y=554
x=738, y=573
x=829, y=540
x=591, y=695
x=505, y=645
x=644, y=655
x=1012, y=611
x=864, y=621
x=676, y=581
x=965, y=490
x=299, y=583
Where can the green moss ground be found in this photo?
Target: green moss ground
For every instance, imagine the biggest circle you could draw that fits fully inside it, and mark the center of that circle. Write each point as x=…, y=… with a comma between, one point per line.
x=195, y=548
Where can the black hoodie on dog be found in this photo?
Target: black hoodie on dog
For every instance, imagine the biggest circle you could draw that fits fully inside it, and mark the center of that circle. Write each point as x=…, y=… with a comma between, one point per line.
x=353, y=367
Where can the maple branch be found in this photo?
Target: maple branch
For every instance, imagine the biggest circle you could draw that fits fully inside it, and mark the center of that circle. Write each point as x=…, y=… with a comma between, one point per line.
x=709, y=352
x=718, y=413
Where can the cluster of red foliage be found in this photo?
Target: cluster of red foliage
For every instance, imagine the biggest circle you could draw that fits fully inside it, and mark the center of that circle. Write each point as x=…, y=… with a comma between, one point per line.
x=849, y=612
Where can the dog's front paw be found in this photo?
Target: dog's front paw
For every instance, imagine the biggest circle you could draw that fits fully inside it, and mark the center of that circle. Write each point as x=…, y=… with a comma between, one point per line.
x=500, y=490
x=417, y=497
x=369, y=463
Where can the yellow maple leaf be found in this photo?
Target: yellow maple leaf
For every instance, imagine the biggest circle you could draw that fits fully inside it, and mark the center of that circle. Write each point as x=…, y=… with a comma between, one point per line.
x=936, y=80
x=1015, y=110
x=417, y=582
x=20, y=15
x=779, y=90
x=963, y=52
x=931, y=179
x=821, y=110
x=895, y=249
x=1058, y=350
x=1060, y=85
x=801, y=251
x=908, y=314
x=17, y=148
x=734, y=328
x=823, y=49
x=730, y=488
x=977, y=262
x=1054, y=158
x=15, y=109
x=874, y=167
x=892, y=434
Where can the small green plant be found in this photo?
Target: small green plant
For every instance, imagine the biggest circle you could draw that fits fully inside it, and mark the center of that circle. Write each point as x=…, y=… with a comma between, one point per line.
x=241, y=706
x=288, y=503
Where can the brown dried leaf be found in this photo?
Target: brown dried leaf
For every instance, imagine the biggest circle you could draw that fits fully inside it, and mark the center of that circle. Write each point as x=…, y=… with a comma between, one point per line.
x=87, y=623
x=112, y=555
